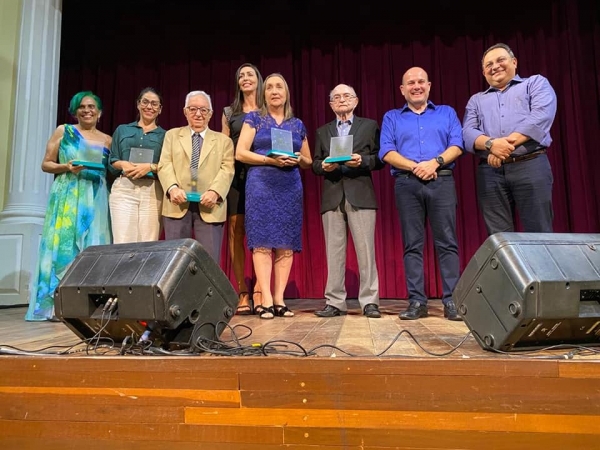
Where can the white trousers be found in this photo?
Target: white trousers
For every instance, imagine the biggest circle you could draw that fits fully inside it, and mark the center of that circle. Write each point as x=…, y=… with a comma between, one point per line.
x=135, y=210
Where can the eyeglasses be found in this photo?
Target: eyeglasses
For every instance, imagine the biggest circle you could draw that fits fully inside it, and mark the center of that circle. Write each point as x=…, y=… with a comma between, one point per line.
x=145, y=103
x=337, y=97
x=193, y=110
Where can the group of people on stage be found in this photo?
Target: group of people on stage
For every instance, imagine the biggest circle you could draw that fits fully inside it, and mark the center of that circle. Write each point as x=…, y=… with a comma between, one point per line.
x=199, y=179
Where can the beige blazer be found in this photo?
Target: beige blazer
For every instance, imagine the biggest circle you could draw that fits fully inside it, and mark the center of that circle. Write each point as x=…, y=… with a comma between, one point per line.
x=215, y=170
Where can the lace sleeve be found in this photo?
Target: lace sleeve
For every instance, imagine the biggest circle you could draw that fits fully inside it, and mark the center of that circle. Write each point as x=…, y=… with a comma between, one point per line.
x=297, y=126
x=253, y=119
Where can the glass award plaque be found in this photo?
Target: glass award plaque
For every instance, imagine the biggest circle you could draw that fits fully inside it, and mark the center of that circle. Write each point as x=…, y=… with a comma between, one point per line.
x=340, y=149
x=193, y=195
x=281, y=143
x=139, y=155
x=90, y=155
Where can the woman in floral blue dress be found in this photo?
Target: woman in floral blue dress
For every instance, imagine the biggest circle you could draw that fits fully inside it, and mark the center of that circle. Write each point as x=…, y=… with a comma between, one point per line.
x=77, y=214
x=273, y=193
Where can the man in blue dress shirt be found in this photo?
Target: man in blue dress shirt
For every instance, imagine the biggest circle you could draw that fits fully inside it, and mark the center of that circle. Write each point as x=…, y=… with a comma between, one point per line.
x=508, y=127
x=421, y=141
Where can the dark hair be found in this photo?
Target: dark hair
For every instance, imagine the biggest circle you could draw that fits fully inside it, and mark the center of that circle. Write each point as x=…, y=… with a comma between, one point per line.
x=77, y=98
x=498, y=45
x=145, y=91
x=238, y=101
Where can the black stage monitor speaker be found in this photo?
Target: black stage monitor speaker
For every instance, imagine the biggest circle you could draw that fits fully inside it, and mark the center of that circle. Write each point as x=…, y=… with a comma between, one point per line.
x=524, y=291
x=169, y=292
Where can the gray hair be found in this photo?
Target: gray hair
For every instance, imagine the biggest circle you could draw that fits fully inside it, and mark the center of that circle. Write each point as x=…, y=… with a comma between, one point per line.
x=349, y=87
x=194, y=94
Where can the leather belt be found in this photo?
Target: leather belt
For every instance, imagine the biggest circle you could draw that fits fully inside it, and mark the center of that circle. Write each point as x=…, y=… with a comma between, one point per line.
x=441, y=173
x=525, y=157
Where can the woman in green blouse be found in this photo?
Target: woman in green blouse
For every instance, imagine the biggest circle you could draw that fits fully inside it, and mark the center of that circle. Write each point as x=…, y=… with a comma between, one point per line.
x=136, y=195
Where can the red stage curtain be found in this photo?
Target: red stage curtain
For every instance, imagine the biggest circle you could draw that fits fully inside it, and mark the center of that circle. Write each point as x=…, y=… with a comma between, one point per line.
x=178, y=46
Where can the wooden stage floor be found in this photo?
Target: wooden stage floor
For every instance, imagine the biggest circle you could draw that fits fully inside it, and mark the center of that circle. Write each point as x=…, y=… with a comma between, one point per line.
x=365, y=384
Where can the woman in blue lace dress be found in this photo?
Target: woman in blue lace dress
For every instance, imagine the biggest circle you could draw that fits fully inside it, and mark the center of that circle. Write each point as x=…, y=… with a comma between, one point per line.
x=273, y=193
x=77, y=214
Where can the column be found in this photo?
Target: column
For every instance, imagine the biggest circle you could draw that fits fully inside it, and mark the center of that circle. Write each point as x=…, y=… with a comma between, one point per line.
x=35, y=108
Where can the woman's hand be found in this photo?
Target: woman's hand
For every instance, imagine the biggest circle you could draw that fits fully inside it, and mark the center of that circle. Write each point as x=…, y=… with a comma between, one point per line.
x=136, y=171
x=74, y=169
x=286, y=161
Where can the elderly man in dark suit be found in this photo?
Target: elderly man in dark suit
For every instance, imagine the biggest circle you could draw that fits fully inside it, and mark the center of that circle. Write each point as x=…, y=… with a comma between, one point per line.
x=348, y=201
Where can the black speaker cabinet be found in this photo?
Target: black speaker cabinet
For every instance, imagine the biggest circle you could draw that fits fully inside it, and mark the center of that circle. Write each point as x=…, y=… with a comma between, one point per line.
x=523, y=291
x=168, y=291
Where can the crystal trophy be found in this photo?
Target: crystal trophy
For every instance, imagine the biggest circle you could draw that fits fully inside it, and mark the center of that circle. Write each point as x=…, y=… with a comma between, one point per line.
x=90, y=155
x=139, y=155
x=193, y=195
x=340, y=149
x=281, y=143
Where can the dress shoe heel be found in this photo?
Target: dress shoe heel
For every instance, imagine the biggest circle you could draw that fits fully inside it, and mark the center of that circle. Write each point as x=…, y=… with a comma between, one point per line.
x=372, y=311
x=330, y=311
x=451, y=313
x=414, y=311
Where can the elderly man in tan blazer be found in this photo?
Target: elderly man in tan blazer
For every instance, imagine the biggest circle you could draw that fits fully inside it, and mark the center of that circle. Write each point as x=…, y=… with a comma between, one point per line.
x=195, y=169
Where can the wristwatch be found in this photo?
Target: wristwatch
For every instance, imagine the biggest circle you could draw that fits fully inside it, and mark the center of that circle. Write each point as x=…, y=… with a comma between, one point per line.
x=440, y=161
x=154, y=168
x=488, y=144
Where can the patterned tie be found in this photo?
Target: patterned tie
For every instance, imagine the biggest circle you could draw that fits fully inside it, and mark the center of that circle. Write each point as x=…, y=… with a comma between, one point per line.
x=196, y=146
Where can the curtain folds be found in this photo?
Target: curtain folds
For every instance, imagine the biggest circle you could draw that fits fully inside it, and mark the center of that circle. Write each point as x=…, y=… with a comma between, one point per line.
x=178, y=46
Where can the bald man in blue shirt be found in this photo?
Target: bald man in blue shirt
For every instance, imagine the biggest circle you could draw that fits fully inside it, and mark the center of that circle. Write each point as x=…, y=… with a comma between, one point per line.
x=421, y=141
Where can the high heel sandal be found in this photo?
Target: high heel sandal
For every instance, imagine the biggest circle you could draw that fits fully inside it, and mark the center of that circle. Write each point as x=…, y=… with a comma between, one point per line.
x=265, y=313
x=283, y=311
x=245, y=310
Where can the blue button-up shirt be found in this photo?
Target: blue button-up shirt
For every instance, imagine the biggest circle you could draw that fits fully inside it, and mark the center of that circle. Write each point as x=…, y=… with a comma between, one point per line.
x=420, y=137
x=526, y=106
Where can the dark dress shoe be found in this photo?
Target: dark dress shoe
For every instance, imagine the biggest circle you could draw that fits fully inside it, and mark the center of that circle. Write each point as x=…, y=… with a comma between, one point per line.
x=451, y=313
x=330, y=311
x=414, y=311
x=372, y=311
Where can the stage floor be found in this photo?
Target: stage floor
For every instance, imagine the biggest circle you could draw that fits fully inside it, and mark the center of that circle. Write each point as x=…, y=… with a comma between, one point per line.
x=368, y=385
x=352, y=335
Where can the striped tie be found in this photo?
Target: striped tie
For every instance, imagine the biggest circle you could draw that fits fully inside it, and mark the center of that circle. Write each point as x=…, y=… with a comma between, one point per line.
x=196, y=145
